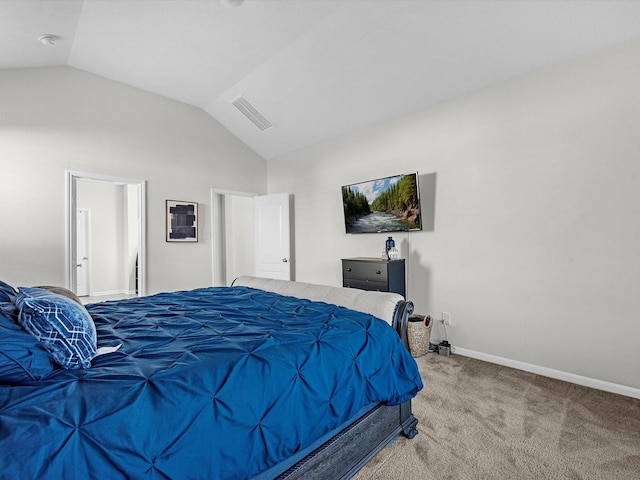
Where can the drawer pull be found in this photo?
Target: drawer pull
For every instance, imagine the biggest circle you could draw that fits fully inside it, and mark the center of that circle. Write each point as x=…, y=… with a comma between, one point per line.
x=348, y=269
x=378, y=272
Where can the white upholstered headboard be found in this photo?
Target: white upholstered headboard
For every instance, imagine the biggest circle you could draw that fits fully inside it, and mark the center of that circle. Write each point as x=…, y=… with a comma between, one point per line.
x=380, y=304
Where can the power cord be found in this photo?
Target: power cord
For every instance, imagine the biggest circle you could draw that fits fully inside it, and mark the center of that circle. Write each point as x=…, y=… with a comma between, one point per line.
x=444, y=347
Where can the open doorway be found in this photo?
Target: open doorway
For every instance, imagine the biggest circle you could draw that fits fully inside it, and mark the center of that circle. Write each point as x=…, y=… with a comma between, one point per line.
x=105, y=236
x=251, y=236
x=233, y=235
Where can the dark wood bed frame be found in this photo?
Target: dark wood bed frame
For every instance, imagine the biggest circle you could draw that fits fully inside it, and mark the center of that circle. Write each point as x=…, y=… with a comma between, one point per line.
x=342, y=455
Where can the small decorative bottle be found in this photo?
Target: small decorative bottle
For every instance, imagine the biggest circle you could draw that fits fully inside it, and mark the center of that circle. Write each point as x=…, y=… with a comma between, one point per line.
x=388, y=245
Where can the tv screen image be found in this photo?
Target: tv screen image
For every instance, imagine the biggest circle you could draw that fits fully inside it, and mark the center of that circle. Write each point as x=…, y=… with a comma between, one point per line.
x=390, y=204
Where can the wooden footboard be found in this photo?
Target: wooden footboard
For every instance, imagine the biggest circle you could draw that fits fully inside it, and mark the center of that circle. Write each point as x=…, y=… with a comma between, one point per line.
x=344, y=454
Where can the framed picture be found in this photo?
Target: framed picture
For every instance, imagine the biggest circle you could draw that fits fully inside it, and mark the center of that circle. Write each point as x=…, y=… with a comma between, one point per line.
x=182, y=221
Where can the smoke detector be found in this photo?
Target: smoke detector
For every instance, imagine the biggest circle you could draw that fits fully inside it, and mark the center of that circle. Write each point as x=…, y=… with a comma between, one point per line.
x=48, y=39
x=231, y=3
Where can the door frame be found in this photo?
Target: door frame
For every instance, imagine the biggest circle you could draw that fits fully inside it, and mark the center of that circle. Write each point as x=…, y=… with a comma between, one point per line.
x=88, y=238
x=71, y=227
x=218, y=251
x=216, y=278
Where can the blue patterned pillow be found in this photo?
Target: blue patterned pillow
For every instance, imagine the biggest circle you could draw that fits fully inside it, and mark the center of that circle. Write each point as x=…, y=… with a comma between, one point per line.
x=64, y=327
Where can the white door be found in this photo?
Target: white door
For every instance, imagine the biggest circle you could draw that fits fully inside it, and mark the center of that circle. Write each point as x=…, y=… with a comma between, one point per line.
x=272, y=236
x=83, y=249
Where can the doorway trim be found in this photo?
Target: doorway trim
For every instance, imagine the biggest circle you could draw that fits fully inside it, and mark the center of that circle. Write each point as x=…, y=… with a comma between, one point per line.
x=89, y=249
x=71, y=226
x=216, y=247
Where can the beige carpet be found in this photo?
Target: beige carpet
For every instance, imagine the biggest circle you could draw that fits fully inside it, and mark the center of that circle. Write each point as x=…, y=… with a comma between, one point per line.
x=478, y=420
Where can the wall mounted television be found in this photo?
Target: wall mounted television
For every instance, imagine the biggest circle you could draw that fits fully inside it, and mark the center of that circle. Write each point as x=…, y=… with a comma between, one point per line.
x=389, y=204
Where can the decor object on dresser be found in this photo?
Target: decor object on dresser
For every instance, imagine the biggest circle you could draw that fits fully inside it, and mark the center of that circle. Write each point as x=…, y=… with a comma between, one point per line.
x=390, y=204
x=181, y=221
x=264, y=379
x=390, y=250
x=374, y=274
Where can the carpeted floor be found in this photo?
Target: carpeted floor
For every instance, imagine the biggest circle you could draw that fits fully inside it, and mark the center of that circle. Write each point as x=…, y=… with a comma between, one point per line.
x=478, y=420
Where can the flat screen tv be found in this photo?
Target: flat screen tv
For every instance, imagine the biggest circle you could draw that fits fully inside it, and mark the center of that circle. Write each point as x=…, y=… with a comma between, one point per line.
x=390, y=204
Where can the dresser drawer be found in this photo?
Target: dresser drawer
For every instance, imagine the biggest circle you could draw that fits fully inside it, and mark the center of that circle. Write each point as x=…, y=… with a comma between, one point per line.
x=365, y=271
x=365, y=285
x=370, y=273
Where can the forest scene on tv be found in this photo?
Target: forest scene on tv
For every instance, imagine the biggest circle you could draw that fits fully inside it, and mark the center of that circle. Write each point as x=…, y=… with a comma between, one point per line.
x=386, y=205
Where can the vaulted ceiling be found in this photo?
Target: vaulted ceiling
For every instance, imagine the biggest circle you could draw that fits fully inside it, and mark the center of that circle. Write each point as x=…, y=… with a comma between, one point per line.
x=314, y=69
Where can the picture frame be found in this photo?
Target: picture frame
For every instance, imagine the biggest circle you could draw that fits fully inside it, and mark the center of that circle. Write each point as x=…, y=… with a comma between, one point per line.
x=181, y=221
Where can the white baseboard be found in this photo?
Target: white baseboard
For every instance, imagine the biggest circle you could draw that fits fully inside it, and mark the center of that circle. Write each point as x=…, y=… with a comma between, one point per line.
x=109, y=293
x=551, y=373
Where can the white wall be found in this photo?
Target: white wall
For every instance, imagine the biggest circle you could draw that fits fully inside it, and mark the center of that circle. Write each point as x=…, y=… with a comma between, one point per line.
x=57, y=119
x=536, y=245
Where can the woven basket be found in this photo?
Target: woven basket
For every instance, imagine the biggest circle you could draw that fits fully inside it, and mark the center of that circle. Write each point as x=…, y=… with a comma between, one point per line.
x=418, y=335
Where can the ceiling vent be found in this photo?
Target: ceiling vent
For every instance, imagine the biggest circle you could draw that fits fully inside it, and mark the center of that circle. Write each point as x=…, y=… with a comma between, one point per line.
x=251, y=113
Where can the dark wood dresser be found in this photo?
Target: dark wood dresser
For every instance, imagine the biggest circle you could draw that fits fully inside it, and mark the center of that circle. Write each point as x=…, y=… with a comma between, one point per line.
x=369, y=273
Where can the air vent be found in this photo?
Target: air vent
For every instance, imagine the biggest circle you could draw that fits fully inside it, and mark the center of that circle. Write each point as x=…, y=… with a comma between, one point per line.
x=251, y=113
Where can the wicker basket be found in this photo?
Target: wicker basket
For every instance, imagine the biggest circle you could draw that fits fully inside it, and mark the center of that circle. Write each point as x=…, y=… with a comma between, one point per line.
x=418, y=334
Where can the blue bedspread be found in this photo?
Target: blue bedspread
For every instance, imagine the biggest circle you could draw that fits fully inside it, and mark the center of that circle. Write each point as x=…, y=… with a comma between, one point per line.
x=212, y=383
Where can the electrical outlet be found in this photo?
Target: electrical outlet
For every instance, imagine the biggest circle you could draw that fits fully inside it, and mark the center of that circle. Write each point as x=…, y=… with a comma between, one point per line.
x=446, y=318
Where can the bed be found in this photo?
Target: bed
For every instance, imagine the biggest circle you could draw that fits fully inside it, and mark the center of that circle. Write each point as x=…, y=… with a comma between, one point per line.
x=264, y=379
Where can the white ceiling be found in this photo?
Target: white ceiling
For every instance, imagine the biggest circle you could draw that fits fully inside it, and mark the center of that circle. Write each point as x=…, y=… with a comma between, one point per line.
x=316, y=69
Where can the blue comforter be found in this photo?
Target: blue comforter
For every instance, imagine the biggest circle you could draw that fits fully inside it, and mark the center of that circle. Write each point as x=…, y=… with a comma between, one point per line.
x=211, y=383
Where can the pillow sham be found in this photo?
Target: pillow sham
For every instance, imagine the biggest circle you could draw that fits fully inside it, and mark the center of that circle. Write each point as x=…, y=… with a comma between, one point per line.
x=7, y=301
x=7, y=292
x=64, y=327
x=22, y=357
x=61, y=291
